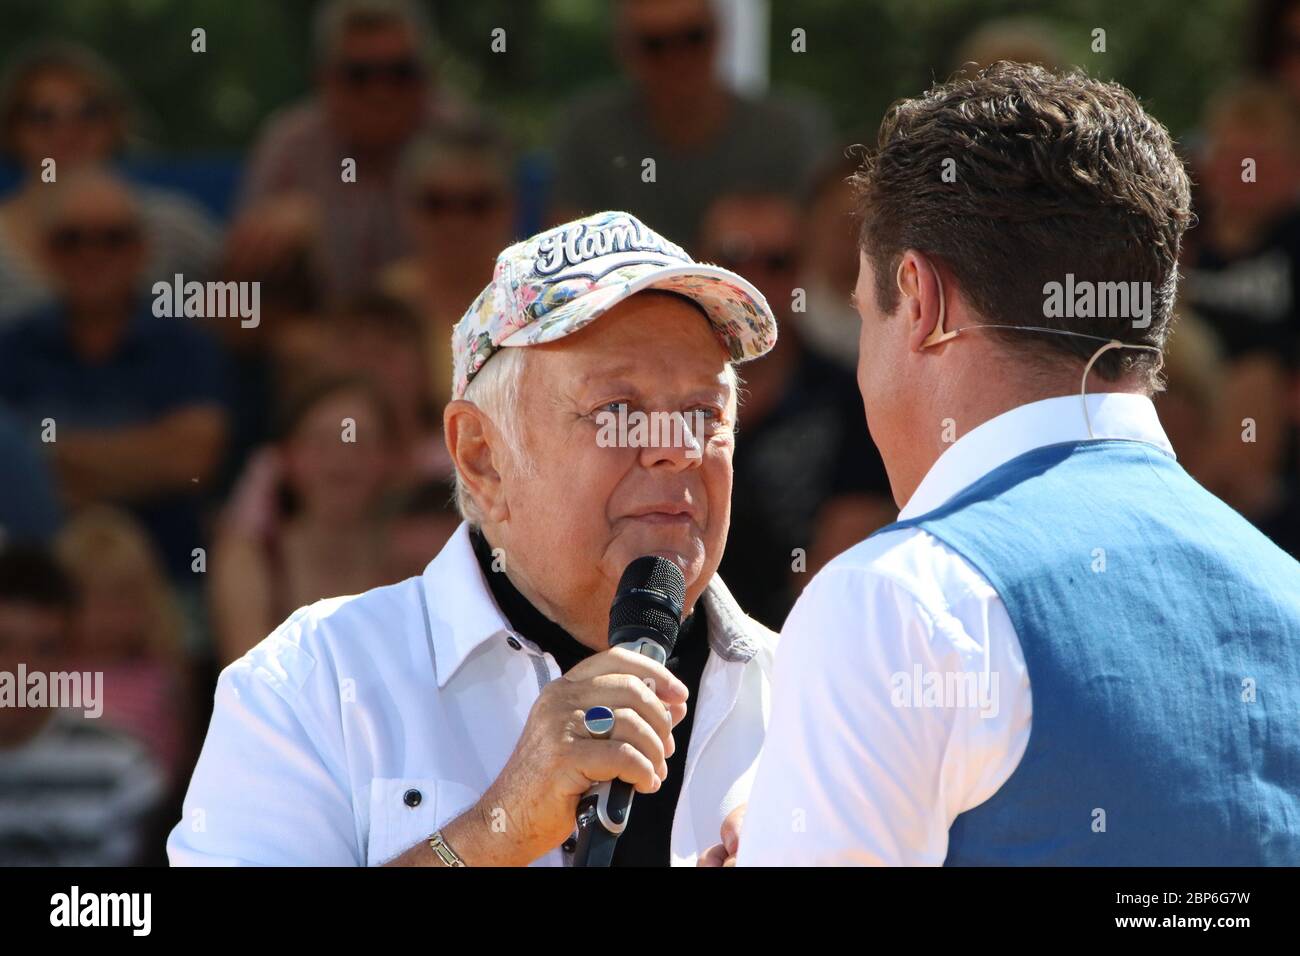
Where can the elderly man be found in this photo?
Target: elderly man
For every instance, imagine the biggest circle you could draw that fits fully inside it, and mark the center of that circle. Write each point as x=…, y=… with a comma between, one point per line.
x=441, y=721
x=1067, y=651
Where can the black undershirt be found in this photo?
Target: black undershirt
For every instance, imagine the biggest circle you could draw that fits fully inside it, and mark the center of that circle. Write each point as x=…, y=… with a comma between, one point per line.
x=646, y=840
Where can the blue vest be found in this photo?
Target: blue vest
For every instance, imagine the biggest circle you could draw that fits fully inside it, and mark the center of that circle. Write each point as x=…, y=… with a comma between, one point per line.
x=1161, y=633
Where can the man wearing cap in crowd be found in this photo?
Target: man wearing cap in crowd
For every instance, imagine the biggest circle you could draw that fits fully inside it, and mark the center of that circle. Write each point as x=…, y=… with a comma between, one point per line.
x=442, y=720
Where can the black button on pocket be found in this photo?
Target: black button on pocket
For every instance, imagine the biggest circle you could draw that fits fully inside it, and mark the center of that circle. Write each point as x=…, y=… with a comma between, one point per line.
x=513, y=643
x=412, y=798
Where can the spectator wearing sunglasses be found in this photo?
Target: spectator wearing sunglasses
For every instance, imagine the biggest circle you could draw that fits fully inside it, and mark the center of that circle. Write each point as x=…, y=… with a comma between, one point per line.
x=61, y=102
x=375, y=91
x=807, y=474
x=705, y=139
x=458, y=203
x=128, y=406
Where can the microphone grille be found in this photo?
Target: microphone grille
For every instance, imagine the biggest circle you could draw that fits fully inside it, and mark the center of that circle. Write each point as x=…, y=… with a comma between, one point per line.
x=653, y=573
x=650, y=594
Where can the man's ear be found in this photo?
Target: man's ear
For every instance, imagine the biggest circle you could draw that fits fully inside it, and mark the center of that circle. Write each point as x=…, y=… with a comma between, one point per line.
x=473, y=443
x=922, y=292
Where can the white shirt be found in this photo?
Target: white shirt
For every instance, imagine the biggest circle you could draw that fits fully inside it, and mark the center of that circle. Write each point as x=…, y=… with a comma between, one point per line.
x=860, y=766
x=326, y=733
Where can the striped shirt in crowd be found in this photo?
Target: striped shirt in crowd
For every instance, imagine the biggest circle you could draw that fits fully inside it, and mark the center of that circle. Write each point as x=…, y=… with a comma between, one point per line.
x=77, y=794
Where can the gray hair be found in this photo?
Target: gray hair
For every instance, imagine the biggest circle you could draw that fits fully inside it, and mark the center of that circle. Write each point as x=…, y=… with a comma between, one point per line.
x=496, y=390
x=337, y=17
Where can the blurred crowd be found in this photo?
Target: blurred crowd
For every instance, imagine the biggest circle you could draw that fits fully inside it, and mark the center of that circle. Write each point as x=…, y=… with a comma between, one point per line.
x=171, y=489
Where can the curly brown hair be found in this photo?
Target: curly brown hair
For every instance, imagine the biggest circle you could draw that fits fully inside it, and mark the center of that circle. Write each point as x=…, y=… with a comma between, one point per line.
x=1053, y=173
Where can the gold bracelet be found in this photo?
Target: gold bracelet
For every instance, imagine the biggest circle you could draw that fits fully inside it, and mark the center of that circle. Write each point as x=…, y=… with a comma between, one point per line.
x=443, y=851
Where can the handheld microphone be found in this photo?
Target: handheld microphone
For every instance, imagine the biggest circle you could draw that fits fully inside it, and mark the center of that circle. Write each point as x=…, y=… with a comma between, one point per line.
x=644, y=618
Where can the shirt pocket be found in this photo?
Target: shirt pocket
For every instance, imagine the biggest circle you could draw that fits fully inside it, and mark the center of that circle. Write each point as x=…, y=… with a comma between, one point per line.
x=406, y=810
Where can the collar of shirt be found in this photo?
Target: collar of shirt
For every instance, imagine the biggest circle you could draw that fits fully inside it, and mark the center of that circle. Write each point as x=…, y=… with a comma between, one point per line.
x=531, y=623
x=1051, y=421
x=522, y=614
x=457, y=628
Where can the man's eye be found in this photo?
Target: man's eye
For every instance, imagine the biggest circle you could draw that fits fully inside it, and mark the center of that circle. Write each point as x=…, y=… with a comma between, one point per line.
x=706, y=413
x=613, y=408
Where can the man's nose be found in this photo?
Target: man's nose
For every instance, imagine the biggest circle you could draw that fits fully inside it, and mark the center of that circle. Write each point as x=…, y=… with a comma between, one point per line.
x=676, y=442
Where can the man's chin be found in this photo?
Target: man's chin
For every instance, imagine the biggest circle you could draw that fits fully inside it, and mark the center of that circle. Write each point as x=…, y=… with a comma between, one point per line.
x=681, y=546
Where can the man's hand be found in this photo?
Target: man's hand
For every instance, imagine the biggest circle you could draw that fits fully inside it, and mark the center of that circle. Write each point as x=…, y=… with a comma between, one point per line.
x=175, y=454
x=724, y=853
x=265, y=235
x=529, y=809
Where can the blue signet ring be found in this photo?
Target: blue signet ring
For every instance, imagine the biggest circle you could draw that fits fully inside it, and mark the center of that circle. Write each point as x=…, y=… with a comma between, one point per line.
x=599, y=722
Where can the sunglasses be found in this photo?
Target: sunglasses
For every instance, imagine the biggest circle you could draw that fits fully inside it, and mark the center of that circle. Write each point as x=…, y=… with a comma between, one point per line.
x=91, y=111
x=775, y=260
x=360, y=73
x=436, y=202
x=67, y=240
x=687, y=40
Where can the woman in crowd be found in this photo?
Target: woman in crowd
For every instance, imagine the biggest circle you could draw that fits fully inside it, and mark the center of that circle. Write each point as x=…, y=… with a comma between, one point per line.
x=129, y=627
x=306, y=520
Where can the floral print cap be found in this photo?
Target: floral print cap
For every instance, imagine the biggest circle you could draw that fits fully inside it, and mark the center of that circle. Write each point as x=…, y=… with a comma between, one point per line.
x=561, y=280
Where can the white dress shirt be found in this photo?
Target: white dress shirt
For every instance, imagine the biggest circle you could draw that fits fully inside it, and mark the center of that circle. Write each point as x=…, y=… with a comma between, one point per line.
x=859, y=766
x=362, y=724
